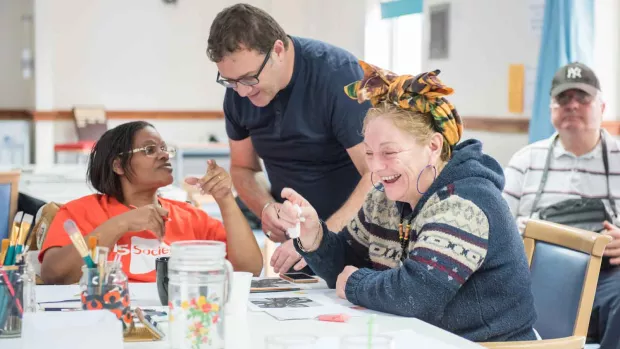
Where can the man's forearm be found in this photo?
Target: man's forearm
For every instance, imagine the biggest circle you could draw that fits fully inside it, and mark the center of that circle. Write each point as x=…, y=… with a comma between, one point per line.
x=341, y=217
x=251, y=187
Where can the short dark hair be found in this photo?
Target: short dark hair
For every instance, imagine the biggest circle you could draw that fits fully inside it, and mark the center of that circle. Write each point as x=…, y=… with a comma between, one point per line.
x=246, y=26
x=114, y=143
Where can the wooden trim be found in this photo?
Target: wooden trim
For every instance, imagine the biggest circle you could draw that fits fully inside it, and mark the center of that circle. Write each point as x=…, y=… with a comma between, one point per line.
x=587, y=296
x=496, y=124
x=530, y=245
x=573, y=342
x=500, y=124
x=575, y=239
x=54, y=115
x=613, y=127
x=15, y=114
x=569, y=237
x=517, y=125
x=11, y=177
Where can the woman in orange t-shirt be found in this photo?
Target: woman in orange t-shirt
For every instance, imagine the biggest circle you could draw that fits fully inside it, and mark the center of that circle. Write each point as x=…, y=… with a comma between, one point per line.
x=127, y=166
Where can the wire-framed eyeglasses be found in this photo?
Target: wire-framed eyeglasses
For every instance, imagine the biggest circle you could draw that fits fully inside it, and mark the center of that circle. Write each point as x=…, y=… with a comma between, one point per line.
x=152, y=150
x=564, y=98
x=246, y=80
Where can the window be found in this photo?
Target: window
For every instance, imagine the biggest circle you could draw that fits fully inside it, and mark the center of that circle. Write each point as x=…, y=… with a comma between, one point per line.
x=394, y=43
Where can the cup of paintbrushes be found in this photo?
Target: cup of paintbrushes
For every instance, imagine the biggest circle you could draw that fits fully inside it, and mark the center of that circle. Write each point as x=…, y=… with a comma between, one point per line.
x=16, y=286
x=106, y=287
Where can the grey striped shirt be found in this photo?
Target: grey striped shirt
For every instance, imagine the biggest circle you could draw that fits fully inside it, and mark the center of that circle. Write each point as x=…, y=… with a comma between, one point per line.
x=569, y=177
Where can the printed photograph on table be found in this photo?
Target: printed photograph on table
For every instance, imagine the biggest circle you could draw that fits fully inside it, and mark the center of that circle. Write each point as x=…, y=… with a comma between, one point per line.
x=272, y=285
x=285, y=302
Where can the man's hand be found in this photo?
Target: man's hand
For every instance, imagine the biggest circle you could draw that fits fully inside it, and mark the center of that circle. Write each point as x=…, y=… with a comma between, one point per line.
x=285, y=256
x=613, y=249
x=271, y=224
x=521, y=223
x=341, y=283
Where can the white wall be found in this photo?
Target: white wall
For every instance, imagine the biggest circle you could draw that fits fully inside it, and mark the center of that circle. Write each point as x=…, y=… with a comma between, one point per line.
x=485, y=37
x=501, y=146
x=15, y=91
x=607, y=53
x=146, y=55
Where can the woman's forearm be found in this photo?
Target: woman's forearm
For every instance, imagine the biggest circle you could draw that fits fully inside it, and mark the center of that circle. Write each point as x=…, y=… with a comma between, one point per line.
x=63, y=265
x=243, y=251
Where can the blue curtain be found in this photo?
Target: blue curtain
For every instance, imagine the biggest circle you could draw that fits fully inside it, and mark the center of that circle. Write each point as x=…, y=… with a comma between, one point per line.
x=568, y=36
x=399, y=8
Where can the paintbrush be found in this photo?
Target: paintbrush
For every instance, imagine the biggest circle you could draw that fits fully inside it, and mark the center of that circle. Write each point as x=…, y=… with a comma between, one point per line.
x=24, y=228
x=102, y=259
x=92, y=247
x=78, y=241
x=21, y=258
x=3, y=250
x=10, y=255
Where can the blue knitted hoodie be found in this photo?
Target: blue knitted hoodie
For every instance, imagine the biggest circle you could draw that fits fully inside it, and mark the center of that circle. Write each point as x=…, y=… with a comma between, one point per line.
x=464, y=267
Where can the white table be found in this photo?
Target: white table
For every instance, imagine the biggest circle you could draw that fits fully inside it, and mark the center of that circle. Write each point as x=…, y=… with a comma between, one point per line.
x=251, y=329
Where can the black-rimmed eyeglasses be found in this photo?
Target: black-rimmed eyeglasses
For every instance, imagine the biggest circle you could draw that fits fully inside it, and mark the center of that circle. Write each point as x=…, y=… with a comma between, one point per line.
x=246, y=80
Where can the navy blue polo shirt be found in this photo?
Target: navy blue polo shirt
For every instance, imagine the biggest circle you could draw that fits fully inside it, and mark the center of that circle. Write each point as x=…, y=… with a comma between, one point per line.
x=302, y=135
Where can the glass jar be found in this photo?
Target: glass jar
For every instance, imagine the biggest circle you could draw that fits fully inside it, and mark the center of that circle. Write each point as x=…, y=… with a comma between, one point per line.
x=198, y=288
x=16, y=297
x=110, y=291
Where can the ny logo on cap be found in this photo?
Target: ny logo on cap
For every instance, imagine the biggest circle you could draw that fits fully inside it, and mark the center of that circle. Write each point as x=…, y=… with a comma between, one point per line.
x=573, y=73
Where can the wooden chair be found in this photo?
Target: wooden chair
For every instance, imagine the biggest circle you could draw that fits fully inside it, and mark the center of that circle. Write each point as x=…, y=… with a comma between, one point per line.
x=572, y=342
x=90, y=124
x=564, y=265
x=43, y=221
x=9, y=191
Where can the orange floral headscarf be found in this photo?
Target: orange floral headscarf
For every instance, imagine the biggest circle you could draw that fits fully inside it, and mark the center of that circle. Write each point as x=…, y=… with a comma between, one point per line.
x=423, y=93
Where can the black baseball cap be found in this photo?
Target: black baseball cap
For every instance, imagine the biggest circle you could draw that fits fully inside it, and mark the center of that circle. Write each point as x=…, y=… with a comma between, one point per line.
x=575, y=76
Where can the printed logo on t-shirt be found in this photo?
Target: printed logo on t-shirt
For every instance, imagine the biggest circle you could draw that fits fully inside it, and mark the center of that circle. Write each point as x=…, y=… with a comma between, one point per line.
x=143, y=252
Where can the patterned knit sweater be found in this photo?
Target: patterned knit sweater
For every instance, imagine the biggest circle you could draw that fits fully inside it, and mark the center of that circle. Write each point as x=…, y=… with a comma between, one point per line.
x=464, y=268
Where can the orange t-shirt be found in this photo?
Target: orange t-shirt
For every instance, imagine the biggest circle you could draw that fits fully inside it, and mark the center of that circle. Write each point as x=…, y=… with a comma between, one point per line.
x=138, y=249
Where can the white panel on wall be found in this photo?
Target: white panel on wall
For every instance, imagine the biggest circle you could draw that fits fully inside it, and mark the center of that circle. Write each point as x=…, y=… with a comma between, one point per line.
x=16, y=92
x=14, y=143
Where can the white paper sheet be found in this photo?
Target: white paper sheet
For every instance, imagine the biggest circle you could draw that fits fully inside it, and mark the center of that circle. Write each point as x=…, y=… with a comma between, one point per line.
x=57, y=293
x=96, y=329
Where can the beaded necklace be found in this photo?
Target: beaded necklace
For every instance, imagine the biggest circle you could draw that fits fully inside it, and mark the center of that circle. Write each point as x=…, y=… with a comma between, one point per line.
x=403, y=232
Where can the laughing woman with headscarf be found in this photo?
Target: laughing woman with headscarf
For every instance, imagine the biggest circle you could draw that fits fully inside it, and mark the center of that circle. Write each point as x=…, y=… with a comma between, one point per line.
x=434, y=240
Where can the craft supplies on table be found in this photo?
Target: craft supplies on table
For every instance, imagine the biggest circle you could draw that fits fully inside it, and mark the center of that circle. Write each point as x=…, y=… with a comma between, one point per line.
x=198, y=289
x=17, y=278
x=16, y=297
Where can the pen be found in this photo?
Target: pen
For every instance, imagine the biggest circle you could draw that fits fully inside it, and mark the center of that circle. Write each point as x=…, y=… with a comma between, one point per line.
x=60, y=309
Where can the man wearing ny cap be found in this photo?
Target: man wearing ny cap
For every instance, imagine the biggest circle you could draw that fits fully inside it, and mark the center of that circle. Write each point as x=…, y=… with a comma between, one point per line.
x=570, y=167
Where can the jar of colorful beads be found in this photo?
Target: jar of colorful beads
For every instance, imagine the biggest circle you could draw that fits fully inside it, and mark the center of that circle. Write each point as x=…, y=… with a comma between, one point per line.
x=198, y=288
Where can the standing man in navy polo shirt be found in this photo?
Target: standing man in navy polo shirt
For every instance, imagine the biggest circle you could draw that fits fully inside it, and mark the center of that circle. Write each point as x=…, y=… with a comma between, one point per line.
x=285, y=103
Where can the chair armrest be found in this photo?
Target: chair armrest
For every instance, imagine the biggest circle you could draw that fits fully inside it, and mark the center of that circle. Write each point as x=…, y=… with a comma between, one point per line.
x=573, y=342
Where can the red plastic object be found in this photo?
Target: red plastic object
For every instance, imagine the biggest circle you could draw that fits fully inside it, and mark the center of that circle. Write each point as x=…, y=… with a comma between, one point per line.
x=79, y=146
x=334, y=317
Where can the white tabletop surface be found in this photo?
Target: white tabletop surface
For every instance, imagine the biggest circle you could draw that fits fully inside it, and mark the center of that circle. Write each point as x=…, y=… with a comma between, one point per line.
x=249, y=330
